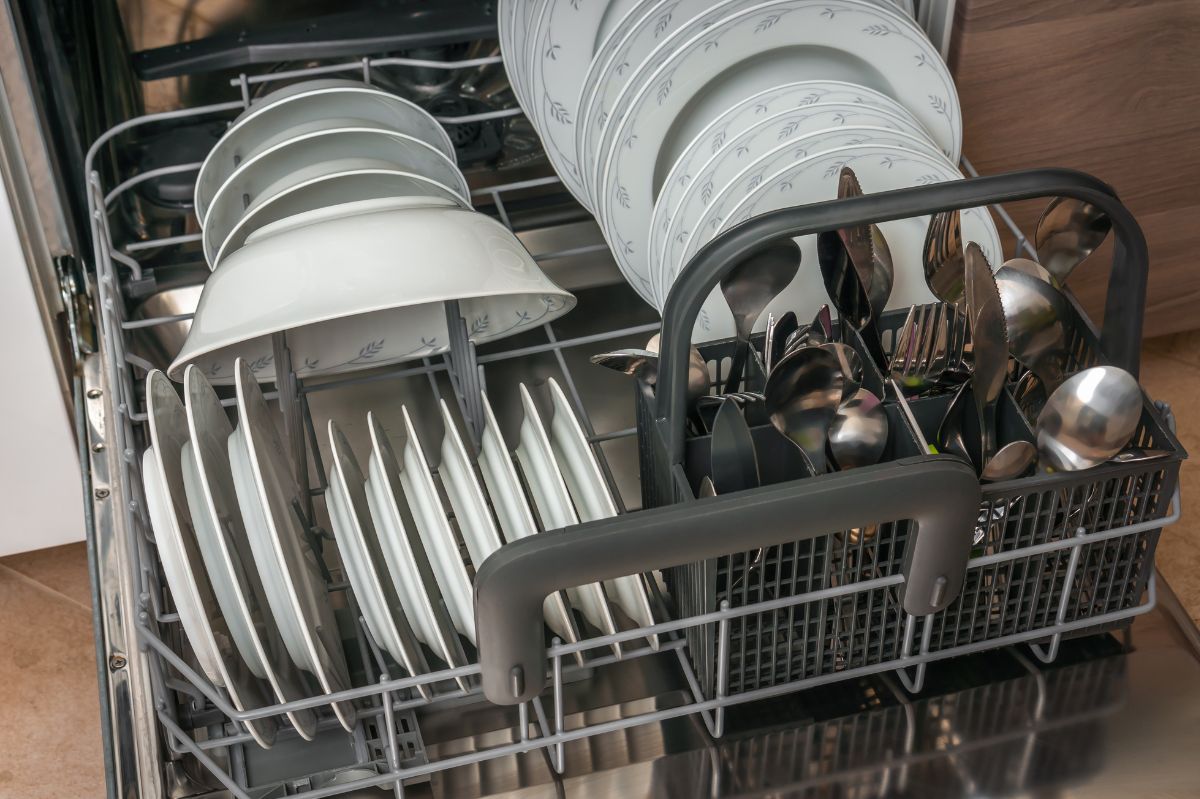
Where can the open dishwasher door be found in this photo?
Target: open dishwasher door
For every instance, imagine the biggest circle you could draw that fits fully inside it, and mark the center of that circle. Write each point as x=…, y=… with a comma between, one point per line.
x=133, y=96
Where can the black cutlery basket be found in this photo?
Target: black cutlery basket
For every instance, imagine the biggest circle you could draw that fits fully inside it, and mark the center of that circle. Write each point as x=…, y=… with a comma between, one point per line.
x=1050, y=555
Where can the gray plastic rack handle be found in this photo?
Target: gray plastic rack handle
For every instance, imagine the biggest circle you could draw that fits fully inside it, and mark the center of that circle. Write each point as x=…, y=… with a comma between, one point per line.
x=940, y=494
x=1123, y=311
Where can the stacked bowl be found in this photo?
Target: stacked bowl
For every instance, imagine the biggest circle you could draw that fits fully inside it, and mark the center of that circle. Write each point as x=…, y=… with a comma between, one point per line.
x=335, y=212
x=673, y=120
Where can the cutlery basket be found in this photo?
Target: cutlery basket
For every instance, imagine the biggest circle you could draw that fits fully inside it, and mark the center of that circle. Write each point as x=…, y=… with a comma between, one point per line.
x=1047, y=555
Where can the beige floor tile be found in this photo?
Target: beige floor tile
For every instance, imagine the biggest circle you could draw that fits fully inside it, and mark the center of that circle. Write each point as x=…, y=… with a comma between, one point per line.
x=49, y=707
x=1167, y=377
x=63, y=569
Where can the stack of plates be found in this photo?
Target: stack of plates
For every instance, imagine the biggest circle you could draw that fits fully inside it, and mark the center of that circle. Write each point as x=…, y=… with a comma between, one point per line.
x=673, y=120
x=334, y=211
x=251, y=588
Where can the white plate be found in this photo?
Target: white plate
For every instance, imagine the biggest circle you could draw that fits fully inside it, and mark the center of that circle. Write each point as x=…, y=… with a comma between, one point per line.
x=407, y=562
x=620, y=62
x=386, y=304
x=303, y=158
x=879, y=168
x=587, y=487
x=766, y=150
x=358, y=541
x=553, y=503
x=221, y=535
x=512, y=509
x=568, y=34
x=183, y=566
x=729, y=128
x=337, y=191
x=289, y=568
x=436, y=534
x=466, y=497
x=510, y=22
x=692, y=81
x=317, y=104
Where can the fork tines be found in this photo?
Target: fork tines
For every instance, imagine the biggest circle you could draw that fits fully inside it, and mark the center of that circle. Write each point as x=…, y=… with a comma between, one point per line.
x=928, y=346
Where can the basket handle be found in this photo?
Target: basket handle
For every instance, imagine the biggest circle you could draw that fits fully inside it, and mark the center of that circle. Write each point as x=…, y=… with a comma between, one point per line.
x=1123, y=311
x=940, y=494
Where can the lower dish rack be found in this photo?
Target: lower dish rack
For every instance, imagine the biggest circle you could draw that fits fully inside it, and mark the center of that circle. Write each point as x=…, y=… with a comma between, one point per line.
x=1058, y=556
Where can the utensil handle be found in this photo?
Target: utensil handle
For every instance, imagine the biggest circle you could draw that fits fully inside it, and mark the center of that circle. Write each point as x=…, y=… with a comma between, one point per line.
x=1124, y=307
x=941, y=495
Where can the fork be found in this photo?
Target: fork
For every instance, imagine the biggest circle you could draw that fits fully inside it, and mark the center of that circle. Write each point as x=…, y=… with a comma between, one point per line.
x=929, y=346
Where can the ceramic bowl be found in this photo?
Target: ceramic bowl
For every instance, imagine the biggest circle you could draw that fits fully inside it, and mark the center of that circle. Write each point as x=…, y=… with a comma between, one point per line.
x=307, y=156
x=308, y=107
x=364, y=284
x=311, y=188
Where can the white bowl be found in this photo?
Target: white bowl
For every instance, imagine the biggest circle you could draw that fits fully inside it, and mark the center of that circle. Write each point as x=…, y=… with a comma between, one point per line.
x=322, y=185
x=299, y=158
x=308, y=107
x=364, y=284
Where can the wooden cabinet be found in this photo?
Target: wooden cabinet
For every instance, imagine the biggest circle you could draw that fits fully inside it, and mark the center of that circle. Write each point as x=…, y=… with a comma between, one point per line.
x=1111, y=87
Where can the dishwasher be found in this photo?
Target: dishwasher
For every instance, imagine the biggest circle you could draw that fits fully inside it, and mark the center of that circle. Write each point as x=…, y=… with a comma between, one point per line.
x=1025, y=680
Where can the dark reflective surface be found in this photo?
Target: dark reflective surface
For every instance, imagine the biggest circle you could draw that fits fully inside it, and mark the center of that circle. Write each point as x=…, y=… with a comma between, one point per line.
x=1115, y=716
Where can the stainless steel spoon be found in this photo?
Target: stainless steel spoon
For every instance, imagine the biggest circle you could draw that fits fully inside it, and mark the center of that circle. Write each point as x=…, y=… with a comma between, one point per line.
x=1010, y=462
x=1036, y=316
x=942, y=257
x=858, y=434
x=989, y=346
x=749, y=288
x=643, y=365
x=802, y=396
x=1089, y=419
x=851, y=366
x=1068, y=231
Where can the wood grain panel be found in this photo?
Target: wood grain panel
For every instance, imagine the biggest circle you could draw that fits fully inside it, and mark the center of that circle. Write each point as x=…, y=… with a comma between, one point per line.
x=1106, y=86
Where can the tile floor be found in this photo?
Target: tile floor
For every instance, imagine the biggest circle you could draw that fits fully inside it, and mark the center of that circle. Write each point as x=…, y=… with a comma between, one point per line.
x=47, y=670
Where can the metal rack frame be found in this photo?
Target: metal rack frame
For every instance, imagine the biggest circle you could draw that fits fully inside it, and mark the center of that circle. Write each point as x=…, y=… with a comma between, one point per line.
x=140, y=657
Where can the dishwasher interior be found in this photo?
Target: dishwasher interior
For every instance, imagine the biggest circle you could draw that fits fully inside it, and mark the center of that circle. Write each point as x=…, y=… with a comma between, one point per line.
x=620, y=715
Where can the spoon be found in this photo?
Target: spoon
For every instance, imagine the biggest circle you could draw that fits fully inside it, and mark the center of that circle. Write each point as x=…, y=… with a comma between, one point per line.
x=942, y=257
x=851, y=366
x=749, y=288
x=848, y=293
x=1068, y=231
x=1089, y=419
x=698, y=377
x=1031, y=268
x=1010, y=461
x=859, y=432
x=637, y=363
x=802, y=396
x=989, y=346
x=642, y=364
x=1035, y=315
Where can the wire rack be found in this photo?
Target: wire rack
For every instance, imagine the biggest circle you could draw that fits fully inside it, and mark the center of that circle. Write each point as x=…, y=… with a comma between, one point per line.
x=197, y=720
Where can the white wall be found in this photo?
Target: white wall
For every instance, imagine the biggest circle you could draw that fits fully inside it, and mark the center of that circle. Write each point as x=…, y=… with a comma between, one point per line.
x=41, y=503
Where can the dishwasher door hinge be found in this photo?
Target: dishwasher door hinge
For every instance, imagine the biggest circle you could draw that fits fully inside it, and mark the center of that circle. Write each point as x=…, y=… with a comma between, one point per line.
x=75, y=291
